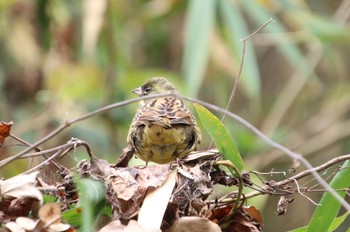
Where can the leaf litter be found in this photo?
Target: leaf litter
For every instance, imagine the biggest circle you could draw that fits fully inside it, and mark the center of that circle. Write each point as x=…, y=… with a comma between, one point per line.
x=166, y=197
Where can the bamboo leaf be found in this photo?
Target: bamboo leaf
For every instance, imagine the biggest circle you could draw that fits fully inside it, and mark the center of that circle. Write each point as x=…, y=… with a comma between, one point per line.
x=329, y=206
x=338, y=221
x=220, y=135
x=335, y=224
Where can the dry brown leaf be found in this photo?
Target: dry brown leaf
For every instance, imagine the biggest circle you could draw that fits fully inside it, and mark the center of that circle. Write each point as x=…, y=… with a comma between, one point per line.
x=124, y=184
x=153, y=208
x=206, y=155
x=20, y=186
x=248, y=219
x=13, y=208
x=153, y=176
x=219, y=212
x=253, y=213
x=241, y=224
x=19, y=196
x=126, y=187
x=49, y=221
x=283, y=204
x=192, y=189
x=133, y=226
x=50, y=218
x=194, y=224
x=100, y=167
x=50, y=213
x=24, y=191
x=5, y=128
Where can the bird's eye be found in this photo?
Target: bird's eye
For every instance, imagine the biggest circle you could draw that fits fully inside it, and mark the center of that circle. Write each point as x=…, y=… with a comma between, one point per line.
x=147, y=89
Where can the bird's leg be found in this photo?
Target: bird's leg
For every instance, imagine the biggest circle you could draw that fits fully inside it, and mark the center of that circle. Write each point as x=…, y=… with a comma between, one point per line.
x=173, y=165
x=143, y=166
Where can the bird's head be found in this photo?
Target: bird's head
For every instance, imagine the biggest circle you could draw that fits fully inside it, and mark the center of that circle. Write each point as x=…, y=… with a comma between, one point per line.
x=155, y=85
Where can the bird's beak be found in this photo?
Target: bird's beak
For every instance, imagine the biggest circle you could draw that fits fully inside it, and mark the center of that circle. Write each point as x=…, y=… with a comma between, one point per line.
x=138, y=91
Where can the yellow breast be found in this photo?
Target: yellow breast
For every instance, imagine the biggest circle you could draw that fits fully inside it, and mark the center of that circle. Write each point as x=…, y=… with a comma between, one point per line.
x=162, y=145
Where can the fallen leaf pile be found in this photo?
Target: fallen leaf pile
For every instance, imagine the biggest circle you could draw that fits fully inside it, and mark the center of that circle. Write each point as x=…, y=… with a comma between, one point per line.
x=20, y=198
x=169, y=197
x=49, y=220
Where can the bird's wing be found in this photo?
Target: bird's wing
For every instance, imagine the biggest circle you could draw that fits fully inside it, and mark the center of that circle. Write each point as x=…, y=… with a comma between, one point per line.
x=164, y=112
x=181, y=116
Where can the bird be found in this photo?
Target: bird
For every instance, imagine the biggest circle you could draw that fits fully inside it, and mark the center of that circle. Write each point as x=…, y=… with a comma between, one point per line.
x=163, y=129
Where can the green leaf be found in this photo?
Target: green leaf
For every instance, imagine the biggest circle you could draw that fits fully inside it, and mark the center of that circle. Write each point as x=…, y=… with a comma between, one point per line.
x=73, y=216
x=220, y=135
x=199, y=24
x=338, y=221
x=329, y=206
x=92, y=201
x=49, y=198
x=301, y=229
x=335, y=224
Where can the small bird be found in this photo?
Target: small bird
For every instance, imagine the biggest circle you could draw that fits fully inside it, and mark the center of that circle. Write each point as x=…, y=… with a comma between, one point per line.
x=163, y=129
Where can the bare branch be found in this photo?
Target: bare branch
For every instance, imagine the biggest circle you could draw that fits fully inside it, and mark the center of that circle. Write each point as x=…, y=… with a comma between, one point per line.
x=235, y=84
x=71, y=144
x=304, y=173
x=298, y=188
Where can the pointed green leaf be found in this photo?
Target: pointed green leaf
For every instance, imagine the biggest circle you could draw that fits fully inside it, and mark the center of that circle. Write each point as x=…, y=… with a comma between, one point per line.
x=338, y=221
x=335, y=224
x=329, y=206
x=220, y=135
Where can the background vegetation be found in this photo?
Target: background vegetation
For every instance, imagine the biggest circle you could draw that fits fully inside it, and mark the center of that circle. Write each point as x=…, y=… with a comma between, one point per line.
x=61, y=59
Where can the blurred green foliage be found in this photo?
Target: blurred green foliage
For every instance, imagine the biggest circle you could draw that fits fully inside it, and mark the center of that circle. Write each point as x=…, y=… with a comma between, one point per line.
x=62, y=59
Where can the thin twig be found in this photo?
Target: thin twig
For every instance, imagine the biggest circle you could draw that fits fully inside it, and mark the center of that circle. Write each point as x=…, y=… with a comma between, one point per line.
x=321, y=167
x=37, y=149
x=46, y=161
x=266, y=189
x=235, y=84
x=269, y=173
x=298, y=188
x=306, y=173
x=323, y=190
x=329, y=177
x=23, y=142
x=40, y=153
x=71, y=144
